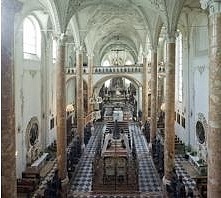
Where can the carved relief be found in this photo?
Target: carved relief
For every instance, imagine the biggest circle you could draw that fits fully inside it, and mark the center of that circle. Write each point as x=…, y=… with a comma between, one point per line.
x=212, y=5
x=32, y=140
x=106, y=14
x=157, y=3
x=201, y=133
x=201, y=68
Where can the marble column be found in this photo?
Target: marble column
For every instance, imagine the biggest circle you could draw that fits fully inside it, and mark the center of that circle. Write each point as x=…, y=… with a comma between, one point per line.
x=8, y=132
x=214, y=133
x=90, y=82
x=80, y=95
x=61, y=109
x=153, y=124
x=145, y=91
x=160, y=94
x=160, y=80
x=169, y=143
x=139, y=105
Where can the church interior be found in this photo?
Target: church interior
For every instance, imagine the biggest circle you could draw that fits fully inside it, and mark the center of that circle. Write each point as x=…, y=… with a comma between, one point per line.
x=110, y=98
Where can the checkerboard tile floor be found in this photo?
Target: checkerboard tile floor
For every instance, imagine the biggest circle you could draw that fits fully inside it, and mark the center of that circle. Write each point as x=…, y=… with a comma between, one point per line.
x=84, y=195
x=149, y=180
x=82, y=181
x=180, y=170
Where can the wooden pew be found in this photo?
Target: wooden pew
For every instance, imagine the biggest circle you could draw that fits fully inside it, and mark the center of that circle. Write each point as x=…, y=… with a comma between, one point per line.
x=25, y=185
x=34, y=176
x=201, y=184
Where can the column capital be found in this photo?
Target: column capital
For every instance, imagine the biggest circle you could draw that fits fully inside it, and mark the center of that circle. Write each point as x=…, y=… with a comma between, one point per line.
x=145, y=54
x=214, y=6
x=171, y=37
x=62, y=39
x=79, y=49
x=90, y=55
x=153, y=49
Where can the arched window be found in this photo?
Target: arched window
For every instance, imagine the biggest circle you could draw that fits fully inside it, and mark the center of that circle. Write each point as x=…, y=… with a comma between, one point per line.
x=106, y=63
x=31, y=38
x=128, y=62
x=179, y=65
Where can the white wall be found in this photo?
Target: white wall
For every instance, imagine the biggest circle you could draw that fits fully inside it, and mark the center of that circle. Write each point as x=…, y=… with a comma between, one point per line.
x=70, y=91
x=34, y=96
x=195, y=79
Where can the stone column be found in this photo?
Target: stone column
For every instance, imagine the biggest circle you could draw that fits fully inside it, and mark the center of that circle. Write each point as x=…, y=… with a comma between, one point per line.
x=214, y=133
x=80, y=95
x=8, y=146
x=61, y=110
x=160, y=80
x=139, y=105
x=145, y=91
x=160, y=92
x=153, y=124
x=169, y=109
x=90, y=82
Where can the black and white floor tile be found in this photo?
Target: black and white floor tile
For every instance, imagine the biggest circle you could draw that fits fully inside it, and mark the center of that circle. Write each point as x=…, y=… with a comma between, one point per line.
x=150, y=184
x=149, y=180
x=82, y=181
x=181, y=171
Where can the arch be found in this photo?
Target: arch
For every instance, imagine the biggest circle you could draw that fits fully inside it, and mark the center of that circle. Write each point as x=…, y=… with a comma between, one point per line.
x=50, y=7
x=73, y=29
x=41, y=9
x=91, y=41
x=119, y=56
x=100, y=82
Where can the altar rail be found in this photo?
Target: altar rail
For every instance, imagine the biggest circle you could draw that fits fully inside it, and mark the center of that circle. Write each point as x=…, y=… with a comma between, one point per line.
x=108, y=69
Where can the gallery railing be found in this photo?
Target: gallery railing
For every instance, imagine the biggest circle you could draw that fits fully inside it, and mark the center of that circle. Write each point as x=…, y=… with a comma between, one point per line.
x=108, y=69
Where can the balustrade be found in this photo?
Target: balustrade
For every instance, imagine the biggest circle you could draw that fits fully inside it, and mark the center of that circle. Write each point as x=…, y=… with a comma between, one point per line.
x=109, y=69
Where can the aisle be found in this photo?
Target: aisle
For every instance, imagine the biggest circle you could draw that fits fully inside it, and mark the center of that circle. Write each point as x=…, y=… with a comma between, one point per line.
x=82, y=181
x=149, y=180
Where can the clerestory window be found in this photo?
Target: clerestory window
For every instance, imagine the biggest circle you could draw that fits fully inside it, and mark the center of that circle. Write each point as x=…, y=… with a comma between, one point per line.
x=31, y=38
x=179, y=65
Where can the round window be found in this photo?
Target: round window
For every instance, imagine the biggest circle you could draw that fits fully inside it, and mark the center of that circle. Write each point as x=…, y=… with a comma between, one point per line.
x=200, y=132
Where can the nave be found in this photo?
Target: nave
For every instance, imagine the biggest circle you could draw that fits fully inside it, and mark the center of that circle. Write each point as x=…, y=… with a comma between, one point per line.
x=150, y=184
x=149, y=181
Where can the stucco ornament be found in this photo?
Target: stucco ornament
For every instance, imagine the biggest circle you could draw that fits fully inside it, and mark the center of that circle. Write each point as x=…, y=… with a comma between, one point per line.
x=214, y=6
x=204, y=4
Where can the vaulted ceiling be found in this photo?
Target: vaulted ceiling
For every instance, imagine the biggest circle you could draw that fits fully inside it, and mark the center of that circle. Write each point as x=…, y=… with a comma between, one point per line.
x=132, y=25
